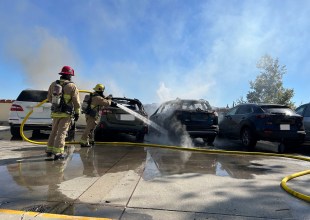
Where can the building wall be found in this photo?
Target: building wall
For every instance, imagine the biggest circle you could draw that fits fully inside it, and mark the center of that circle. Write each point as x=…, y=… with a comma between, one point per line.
x=5, y=106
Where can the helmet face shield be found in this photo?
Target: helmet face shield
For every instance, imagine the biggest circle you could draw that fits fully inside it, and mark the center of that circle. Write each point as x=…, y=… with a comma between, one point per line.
x=67, y=70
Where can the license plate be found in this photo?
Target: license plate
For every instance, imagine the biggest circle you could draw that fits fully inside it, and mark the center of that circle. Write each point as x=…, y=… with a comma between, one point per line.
x=127, y=117
x=285, y=127
x=38, y=109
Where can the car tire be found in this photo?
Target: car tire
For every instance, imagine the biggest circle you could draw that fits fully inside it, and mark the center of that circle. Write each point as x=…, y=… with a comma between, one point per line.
x=98, y=135
x=71, y=135
x=140, y=137
x=209, y=140
x=281, y=148
x=15, y=132
x=36, y=133
x=248, y=138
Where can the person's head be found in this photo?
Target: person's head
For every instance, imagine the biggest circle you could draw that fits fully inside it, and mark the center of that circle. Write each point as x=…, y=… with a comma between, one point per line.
x=99, y=88
x=66, y=72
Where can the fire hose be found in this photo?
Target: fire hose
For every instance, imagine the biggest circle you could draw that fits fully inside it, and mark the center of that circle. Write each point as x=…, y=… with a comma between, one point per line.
x=205, y=151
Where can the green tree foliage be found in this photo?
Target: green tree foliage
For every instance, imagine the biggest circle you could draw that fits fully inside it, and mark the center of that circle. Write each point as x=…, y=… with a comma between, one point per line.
x=268, y=86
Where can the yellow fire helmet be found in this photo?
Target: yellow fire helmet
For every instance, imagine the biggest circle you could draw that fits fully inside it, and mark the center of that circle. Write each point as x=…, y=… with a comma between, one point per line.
x=99, y=88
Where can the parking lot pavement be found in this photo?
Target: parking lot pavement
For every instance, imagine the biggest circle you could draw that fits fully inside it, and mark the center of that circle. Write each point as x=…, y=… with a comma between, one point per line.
x=126, y=182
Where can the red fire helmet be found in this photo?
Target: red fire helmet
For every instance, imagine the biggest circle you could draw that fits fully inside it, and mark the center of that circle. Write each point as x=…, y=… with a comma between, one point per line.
x=67, y=70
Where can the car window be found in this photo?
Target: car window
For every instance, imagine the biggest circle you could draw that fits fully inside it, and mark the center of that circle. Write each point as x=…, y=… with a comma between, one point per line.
x=32, y=96
x=307, y=112
x=164, y=108
x=300, y=110
x=278, y=110
x=244, y=109
x=131, y=104
x=232, y=111
x=193, y=105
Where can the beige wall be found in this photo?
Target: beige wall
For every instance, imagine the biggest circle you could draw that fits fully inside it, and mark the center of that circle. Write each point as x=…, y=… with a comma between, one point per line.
x=4, y=112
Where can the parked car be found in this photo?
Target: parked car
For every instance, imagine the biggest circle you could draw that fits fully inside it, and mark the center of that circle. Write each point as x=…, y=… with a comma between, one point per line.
x=304, y=110
x=269, y=122
x=116, y=120
x=187, y=116
x=40, y=119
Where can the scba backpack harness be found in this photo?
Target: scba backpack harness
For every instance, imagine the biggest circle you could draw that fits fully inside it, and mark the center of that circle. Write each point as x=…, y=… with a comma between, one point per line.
x=86, y=106
x=58, y=101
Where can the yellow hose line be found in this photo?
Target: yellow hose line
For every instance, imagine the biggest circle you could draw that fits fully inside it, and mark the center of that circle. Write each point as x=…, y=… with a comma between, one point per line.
x=294, y=193
x=206, y=151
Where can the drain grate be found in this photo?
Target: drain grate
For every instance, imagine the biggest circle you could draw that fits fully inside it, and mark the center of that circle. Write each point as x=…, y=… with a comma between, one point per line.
x=37, y=208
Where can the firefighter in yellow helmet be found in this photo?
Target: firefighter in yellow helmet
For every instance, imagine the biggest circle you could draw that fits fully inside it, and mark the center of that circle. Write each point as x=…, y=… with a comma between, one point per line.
x=64, y=97
x=95, y=102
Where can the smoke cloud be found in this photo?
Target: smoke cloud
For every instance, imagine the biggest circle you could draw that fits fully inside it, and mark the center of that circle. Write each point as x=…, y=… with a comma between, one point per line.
x=41, y=62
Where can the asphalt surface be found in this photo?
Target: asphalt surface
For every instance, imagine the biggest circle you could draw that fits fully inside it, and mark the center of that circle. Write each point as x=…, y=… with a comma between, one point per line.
x=128, y=182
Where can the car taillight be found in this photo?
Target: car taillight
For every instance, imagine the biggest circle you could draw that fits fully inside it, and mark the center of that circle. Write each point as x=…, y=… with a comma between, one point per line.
x=16, y=108
x=105, y=111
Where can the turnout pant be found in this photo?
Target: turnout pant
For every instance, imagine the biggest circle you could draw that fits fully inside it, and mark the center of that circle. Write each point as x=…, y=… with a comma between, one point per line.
x=91, y=123
x=56, y=140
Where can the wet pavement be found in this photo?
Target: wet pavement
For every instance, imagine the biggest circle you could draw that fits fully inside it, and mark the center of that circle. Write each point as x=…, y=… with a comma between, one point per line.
x=127, y=182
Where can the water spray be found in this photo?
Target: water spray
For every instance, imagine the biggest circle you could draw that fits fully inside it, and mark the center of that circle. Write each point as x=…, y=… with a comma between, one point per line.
x=144, y=119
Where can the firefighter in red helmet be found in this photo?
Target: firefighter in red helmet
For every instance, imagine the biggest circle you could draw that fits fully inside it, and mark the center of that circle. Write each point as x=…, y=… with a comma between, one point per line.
x=64, y=96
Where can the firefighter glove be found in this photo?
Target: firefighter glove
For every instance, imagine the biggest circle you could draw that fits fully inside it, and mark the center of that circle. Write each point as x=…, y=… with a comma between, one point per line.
x=76, y=116
x=109, y=96
x=113, y=104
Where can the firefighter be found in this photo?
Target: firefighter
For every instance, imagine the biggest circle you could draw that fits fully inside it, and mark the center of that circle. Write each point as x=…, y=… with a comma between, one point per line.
x=64, y=96
x=96, y=101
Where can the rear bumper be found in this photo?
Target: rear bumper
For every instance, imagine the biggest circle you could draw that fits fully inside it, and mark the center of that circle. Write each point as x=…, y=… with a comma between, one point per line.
x=282, y=136
x=104, y=128
x=33, y=126
x=204, y=133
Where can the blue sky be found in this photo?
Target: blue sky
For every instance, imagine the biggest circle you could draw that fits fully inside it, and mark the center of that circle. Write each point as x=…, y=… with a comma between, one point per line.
x=154, y=50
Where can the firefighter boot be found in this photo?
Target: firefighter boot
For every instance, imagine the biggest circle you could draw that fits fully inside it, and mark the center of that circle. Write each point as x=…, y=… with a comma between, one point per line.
x=60, y=156
x=85, y=145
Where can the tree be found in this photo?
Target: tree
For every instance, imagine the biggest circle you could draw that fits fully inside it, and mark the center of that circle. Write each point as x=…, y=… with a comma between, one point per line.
x=268, y=86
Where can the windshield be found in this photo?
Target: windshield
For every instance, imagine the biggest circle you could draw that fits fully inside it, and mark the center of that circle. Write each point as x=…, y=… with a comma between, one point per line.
x=278, y=110
x=32, y=96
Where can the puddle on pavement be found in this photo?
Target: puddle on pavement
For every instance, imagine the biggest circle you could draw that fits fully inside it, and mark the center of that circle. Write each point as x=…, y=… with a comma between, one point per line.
x=161, y=162
x=50, y=179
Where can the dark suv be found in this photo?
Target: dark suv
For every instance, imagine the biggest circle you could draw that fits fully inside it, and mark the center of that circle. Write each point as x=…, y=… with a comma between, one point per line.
x=269, y=122
x=117, y=120
x=187, y=116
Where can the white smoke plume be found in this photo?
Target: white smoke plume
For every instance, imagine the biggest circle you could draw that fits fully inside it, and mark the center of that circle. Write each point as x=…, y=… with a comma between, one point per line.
x=41, y=63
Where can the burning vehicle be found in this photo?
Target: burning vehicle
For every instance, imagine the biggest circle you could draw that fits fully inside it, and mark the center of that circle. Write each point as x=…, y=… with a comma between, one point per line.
x=191, y=117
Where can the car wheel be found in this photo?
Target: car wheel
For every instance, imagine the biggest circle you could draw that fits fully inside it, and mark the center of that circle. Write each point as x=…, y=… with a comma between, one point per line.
x=71, y=135
x=140, y=137
x=97, y=135
x=36, y=133
x=281, y=148
x=248, y=139
x=209, y=140
x=15, y=131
